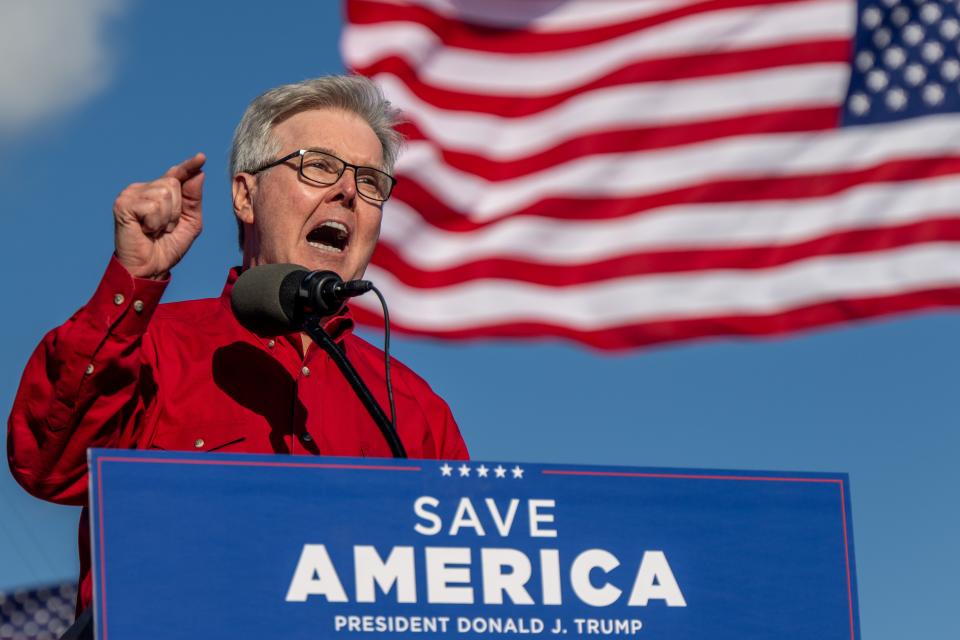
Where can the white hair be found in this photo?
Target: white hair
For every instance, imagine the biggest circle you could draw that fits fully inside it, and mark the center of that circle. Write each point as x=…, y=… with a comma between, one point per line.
x=254, y=144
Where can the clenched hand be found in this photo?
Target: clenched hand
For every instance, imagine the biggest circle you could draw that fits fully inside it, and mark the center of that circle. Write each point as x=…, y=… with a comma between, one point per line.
x=156, y=222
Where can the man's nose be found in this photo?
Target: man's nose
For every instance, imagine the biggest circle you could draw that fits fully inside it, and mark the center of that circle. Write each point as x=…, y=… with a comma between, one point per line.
x=347, y=184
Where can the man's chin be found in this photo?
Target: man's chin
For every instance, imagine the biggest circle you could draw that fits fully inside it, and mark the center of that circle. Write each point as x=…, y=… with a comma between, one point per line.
x=326, y=264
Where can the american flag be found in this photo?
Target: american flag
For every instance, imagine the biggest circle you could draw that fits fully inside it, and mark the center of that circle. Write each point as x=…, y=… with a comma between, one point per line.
x=622, y=173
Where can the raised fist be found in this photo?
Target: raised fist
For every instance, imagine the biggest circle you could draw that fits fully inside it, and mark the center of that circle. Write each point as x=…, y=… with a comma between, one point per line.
x=156, y=222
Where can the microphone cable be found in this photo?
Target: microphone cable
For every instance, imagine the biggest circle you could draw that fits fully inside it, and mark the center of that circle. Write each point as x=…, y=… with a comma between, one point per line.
x=351, y=288
x=386, y=353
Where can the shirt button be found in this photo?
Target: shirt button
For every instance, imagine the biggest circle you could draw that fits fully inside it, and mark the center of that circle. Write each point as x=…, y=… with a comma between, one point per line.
x=307, y=437
x=89, y=370
x=118, y=299
x=138, y=306
x=305, y=371
x=198, y=443
x=271, y=343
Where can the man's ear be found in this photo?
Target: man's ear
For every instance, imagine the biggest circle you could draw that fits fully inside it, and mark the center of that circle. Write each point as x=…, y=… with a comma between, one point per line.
x=243, y=186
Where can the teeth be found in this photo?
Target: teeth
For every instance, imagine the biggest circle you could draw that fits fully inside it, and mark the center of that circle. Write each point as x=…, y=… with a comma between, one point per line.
x=336, y=225
x=342, y=232
x=325, y=247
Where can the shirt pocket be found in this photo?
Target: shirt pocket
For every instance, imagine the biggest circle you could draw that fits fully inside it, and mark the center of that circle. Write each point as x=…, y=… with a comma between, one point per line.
x=197, y=440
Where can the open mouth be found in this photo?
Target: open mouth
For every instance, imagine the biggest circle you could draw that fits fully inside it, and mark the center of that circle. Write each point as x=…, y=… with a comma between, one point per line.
x=331, y=236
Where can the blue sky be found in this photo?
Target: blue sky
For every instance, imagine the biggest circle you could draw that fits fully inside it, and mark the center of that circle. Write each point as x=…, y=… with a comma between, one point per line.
x=109, y=92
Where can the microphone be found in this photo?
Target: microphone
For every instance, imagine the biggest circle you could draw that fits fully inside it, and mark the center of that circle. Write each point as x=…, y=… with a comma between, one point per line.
x=273, y=299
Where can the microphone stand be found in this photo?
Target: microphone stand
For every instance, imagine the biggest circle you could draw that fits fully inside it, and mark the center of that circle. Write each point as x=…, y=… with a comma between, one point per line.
x=314, y=328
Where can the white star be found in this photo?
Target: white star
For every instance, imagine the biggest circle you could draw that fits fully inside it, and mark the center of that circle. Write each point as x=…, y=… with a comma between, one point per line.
x=859, y=104
x=912, y=34
x=950, y=70
x=872, y=17
x=896, y=99
x=900, y=16
x=932, y=51
x=865, y=60
x=500, y=472
x=894, y=57
x=482, y=471
x=517, y=472
x=882, y=37
x=914, y=74
x=464, y=470
x=446, y=469
x=950, y=28
x=933, y=94
x=877, y=80
x=930, y=13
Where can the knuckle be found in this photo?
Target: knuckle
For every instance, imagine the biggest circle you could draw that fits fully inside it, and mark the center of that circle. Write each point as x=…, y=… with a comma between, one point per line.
x=149, y=207
x=160, y=185
x=130, y=191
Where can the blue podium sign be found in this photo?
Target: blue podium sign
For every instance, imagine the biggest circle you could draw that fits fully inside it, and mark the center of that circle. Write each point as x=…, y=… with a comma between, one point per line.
x=244, y=546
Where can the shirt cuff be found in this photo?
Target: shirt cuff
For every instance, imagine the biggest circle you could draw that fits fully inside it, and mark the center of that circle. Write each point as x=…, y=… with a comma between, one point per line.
x=122, y=303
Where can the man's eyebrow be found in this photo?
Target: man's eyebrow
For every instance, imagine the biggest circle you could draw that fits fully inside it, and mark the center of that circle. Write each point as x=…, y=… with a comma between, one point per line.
x=324, y=150
x=337, y=154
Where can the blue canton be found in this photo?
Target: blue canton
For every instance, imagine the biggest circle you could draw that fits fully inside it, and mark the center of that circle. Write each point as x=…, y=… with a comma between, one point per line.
x=906, y=61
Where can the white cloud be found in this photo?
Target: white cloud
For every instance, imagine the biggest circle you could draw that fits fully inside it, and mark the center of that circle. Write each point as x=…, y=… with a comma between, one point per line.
x=53, y=56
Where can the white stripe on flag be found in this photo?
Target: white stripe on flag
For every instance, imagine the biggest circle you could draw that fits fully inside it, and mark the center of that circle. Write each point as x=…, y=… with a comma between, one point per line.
x=547, y=15
x=632, y=174
x=637, y=105
x=689, y=226
x=533, y=74
x=639, y=299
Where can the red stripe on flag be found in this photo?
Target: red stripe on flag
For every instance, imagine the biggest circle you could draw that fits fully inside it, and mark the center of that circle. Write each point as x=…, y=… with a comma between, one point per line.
x=702, y=259
x=651, y=70
x=441, y=215
x=463, y=33
x=637, y=139
x=668, y=330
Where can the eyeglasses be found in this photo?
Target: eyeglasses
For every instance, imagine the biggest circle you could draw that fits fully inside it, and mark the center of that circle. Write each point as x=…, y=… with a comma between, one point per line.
x=325, y=169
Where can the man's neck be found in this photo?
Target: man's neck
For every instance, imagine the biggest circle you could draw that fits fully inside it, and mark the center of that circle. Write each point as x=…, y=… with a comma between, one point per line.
x=307, y=341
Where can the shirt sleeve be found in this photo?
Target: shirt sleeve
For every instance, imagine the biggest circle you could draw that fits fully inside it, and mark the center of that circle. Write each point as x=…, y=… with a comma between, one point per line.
x=86, y=385
x=452, y=446
x=443, y=430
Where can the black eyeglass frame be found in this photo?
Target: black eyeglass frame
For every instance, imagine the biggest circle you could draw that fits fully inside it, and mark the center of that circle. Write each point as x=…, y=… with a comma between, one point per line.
x=345, y=165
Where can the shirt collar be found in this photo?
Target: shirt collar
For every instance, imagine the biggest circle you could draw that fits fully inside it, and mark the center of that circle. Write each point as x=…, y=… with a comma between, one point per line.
x=337, y=327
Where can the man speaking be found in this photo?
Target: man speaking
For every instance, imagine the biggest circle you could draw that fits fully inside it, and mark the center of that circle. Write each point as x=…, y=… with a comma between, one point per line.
x=310, y=168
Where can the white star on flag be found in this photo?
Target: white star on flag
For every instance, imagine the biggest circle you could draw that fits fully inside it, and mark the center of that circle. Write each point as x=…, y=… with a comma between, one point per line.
x=464, y=471
x=517, y=472
x=500, y=471
x=482, y=471
x=446, y=469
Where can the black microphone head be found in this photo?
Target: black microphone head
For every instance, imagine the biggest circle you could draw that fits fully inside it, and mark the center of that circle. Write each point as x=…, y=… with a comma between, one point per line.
x=264, y=298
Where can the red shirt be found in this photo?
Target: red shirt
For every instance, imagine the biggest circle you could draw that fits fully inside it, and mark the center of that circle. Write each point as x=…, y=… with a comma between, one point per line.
x=127, y=372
